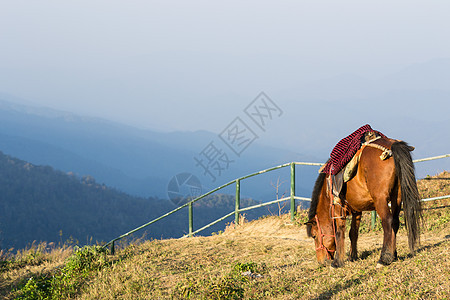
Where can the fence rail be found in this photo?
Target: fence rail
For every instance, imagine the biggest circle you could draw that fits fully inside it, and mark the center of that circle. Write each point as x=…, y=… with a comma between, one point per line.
x=238, y=209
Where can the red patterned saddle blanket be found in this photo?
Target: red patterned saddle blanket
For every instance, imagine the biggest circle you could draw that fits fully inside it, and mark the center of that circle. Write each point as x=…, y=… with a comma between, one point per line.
x=344, y=151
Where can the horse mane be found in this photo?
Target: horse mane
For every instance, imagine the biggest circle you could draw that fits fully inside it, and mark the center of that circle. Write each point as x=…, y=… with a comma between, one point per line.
x=315, y=201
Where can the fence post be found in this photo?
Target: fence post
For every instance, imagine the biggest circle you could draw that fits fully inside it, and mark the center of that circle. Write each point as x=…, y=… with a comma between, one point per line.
x=373, y=219
x=238, y=203
x=113, y=251
x=292, y=191
x=191, y=220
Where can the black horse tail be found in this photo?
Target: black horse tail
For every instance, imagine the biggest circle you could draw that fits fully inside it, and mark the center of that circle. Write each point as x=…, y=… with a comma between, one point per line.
x=404, y=168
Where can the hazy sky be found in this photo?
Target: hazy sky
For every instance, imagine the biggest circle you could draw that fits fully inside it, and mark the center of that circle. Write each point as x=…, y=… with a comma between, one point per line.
x=188, y=65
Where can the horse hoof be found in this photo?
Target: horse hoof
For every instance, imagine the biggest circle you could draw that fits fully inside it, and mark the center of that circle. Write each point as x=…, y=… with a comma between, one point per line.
x=337, y=264
x=386, y=259
x=352, y=258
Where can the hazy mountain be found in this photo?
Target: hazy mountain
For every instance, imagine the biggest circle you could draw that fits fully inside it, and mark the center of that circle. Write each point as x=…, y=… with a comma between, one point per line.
x=136, y=161
x=408, y=104
x=38, y=203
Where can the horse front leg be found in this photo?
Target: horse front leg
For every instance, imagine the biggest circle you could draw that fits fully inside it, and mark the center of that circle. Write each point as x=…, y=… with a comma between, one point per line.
x=395, y=208
x=338, y=260
x=354, y=232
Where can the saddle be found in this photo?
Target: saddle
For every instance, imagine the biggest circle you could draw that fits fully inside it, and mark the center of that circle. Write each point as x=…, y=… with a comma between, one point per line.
x=349, y=171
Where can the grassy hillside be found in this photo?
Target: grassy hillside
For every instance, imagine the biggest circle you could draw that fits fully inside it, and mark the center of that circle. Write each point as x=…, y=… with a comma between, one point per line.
x=269, y=258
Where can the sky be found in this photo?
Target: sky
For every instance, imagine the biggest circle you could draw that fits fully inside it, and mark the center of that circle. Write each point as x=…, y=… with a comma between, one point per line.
x=195, y=65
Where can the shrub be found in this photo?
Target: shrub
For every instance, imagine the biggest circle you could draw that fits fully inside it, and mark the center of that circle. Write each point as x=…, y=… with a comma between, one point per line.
x=65, y=282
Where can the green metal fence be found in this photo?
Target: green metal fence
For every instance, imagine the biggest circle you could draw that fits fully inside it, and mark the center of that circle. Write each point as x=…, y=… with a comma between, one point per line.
x=237, y=210
x=292, y=197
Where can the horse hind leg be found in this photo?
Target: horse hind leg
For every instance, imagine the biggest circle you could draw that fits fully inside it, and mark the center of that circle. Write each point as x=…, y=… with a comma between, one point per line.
x=354, y=232
x=389, y=236
x=390, y=221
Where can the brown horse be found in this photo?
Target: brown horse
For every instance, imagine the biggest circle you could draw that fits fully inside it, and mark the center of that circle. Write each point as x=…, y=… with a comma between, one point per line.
x=376, y=184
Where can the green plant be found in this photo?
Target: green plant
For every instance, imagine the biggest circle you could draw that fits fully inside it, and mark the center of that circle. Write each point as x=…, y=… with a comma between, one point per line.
x=77, y=269
x=87, y=258
x=229, y=287
x=245, y=267
x=64, y=282
x=36, y=288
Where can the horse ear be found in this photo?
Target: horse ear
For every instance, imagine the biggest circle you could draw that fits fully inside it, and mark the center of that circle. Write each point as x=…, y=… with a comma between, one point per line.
x=310, y=228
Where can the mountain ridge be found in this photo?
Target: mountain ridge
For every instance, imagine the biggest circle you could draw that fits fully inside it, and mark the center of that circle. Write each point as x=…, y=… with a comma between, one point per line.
x=39, y=203
x=137, y=161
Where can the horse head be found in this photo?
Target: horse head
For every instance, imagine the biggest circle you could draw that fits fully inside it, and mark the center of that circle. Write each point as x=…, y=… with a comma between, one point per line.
x=320, y=228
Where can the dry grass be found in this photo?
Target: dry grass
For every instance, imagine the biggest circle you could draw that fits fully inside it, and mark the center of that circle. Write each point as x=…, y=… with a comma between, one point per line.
x=279, y=260
x=34, y=261
x=433, y=186
x=436, y=213
x=204, y=268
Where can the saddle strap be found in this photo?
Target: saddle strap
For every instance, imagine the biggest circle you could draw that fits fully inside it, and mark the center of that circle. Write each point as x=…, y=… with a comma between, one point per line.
x=386, y=152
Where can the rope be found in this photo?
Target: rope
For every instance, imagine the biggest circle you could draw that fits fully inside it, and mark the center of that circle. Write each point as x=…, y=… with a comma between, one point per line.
x=332, y=217
x=321, y=235
x=386, y=152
